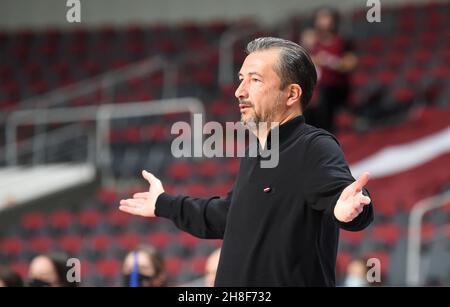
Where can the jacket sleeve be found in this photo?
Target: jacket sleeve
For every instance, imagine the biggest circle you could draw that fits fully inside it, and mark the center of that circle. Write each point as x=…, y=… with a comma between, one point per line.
x=329, y=175
x=202, y=217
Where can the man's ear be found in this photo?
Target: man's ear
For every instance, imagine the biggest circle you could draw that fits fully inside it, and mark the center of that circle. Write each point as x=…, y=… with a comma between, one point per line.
x=295, y=92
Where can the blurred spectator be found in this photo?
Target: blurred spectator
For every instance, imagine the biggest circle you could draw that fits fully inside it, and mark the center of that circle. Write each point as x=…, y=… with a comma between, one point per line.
x=49, y=270
x=211, y=268
x=308, y=39
x=9, y=278
x=334, y=60
x=356, y=274
x=144, y=267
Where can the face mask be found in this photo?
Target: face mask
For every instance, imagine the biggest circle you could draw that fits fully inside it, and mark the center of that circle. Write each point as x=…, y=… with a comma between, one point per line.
x=142, y=280
x=353, y=281
x=35, y=282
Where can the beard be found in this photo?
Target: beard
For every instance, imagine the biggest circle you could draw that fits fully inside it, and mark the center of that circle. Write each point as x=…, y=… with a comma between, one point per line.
x=264, y=117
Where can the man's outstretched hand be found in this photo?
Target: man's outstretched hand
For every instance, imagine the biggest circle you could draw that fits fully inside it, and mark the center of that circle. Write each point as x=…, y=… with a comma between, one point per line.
x=352, y=201
x=143, y=203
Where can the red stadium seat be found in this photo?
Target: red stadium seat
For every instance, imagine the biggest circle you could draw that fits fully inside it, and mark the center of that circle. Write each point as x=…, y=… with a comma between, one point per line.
x=12, y=246
x=159, y=239
x=403, y=95
x=155, y=132
x=198, y=264
x=99, y=243
x=428, y=231
x=219, y=108
x=41, y=244
x=187, y=240
x=118, y=218
x=386, y=77
x=414, y=74
x=128, y=241
x=232, y=166
x=388, y=233
x=221, y=189
x=109, y=268
x=367, y=62
x=107, y=196
x=60, y=219
x=359, y=79
x=71, y=244
x=180, y=170
x=208, y=168
x=352, y=237
x=400, y=42
x=33, y=221
x=89, y=218
x=375, y=44
x=173, y=265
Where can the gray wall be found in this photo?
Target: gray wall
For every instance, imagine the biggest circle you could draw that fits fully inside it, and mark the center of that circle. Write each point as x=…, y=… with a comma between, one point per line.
x=36, y=14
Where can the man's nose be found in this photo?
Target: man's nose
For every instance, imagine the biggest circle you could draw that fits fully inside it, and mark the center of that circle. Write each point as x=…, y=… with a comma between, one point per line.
x=241, y=91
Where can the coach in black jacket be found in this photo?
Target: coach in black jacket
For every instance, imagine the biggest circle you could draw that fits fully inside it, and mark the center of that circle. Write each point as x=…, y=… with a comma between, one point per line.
x=280, y=225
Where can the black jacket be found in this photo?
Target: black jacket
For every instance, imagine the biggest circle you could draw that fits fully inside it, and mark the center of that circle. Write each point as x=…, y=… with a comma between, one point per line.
x=287, y=236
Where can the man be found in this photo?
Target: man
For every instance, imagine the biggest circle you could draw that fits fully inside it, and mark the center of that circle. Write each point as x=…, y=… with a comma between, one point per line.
x=280, y=226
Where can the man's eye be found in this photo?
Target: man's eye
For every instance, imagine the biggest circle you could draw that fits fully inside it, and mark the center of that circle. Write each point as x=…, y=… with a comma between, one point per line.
x=255, y=80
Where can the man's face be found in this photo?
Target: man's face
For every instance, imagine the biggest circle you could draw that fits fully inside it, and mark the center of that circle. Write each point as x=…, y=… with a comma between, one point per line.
x=259, y=94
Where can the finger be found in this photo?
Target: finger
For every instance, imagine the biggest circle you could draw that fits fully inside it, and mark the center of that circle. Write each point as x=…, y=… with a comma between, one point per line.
x=364, y=200
x=361, y=202
x=131, y=210
x=141, y=195
x=361, y=181
x=125, y=202
x=149, y=177
x=131, y=202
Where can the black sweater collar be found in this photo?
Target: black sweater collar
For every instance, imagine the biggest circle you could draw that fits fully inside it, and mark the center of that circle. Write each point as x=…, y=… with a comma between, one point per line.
x=285, y=130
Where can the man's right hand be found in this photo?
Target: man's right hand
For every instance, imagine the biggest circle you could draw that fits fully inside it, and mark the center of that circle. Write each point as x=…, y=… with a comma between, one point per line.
x=143, y=203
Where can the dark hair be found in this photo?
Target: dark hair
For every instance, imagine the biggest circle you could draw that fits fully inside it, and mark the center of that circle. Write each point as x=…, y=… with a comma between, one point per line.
x=59, y=261
x=295, y=65
x=154, y=256
x=10, y=278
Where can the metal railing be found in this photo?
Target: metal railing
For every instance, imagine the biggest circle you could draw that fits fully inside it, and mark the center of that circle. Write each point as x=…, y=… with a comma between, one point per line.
x=226, y=50
x=413, y=270
x=101, y=115
x=105, y=83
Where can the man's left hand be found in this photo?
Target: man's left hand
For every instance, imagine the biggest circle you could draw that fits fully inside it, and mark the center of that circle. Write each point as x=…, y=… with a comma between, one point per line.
x=352, y=201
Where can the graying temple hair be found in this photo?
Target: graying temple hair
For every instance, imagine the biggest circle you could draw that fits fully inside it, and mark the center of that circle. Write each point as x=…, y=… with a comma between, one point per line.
x=295, y=64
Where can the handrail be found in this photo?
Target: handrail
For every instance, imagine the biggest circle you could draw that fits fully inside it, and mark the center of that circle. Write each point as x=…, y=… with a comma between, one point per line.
x=226, y=50
x=105, y=81
x=414, y=234
x=29, y=144
x=101, y=115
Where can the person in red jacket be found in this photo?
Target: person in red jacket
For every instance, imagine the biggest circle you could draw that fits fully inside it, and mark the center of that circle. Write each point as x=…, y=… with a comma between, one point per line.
x=334, y=60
